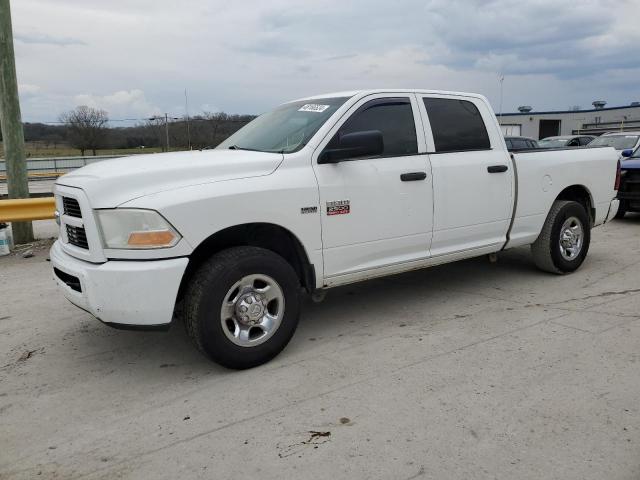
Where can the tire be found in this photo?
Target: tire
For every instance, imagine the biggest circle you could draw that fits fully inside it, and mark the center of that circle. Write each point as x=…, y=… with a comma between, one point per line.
x=242, y=278
x=622, y=209
x=548, y=253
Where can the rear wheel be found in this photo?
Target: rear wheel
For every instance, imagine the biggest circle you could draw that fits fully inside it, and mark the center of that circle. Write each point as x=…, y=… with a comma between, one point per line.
x=622, y=209
x=242, y=306
x=564, y=241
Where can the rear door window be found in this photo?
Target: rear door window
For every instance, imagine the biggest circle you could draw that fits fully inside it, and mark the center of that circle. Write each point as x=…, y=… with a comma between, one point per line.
x=456, y=125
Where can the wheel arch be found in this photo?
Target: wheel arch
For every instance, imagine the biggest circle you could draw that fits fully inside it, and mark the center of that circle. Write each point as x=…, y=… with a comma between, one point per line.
x=581, y=194
x=266, y=235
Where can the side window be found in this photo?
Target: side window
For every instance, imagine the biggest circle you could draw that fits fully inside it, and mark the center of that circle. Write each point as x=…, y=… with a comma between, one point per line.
x=519, y=144
x=509, y=144
x=393, y=117
x=573, y=143
x=456, y=125
x=585, y=140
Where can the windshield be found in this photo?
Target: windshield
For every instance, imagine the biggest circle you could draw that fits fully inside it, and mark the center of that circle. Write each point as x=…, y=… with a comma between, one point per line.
x=552, y=142
x=636, y=154
x=286, y=129
x=619, y=142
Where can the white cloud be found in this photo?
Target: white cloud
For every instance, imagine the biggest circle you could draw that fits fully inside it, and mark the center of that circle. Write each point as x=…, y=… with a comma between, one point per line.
x=121, y=104
x=28, y=89
x=244, y=57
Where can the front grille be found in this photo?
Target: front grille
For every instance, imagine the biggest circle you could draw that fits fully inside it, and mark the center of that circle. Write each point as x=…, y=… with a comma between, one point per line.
x=630, y=186
x=71, y=207
x=77, y=236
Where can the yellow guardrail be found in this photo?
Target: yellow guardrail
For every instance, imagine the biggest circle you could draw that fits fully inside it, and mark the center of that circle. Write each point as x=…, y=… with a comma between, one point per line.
x=27, y=209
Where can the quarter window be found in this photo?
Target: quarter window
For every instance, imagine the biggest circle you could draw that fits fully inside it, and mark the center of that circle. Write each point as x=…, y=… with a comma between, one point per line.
x=393, y=117
x=456, y=125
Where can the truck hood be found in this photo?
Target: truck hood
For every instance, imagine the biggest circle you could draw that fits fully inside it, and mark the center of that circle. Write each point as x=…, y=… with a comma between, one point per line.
x=631, y=164
x=109, y=183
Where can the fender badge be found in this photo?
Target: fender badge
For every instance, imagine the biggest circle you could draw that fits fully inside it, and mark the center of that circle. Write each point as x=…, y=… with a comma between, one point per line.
x=338, y=207
x=304, y=210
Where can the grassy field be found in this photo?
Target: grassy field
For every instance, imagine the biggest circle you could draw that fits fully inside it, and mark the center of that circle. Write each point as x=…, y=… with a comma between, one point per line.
x=38, y=150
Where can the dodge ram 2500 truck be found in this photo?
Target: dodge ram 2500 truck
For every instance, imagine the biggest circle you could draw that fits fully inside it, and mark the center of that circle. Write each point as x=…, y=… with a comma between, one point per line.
x=320, y=192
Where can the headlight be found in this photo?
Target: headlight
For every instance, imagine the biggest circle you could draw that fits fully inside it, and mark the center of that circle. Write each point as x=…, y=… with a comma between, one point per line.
x=127, y=228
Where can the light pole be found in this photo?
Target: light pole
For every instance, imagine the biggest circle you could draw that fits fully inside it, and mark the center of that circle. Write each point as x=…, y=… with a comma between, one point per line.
x=501, y=79
x=166, y=125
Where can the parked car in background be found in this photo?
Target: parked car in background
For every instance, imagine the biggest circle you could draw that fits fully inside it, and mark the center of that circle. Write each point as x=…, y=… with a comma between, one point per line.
x=618, y=140
x=629, y=191
x=517, y=144
x=566, y=141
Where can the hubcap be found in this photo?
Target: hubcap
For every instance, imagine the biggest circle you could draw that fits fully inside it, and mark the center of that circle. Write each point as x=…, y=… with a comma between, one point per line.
x=571, y=238
x=252, y=310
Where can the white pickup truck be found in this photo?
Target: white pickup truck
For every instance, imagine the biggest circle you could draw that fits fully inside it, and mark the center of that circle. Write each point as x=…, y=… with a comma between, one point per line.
x=317, y=193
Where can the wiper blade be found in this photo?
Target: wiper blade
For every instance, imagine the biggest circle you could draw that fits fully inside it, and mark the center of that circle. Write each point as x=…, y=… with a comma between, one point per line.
x=236, y=147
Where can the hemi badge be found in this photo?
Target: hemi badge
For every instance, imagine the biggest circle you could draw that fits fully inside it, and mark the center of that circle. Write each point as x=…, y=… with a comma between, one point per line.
x=304, y=210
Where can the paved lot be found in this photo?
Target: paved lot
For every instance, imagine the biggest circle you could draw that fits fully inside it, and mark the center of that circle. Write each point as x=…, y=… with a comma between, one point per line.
x=469, y=370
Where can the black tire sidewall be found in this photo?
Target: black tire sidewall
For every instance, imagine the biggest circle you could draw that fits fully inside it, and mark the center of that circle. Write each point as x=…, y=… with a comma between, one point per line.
x=572, y=209
x=214, y=340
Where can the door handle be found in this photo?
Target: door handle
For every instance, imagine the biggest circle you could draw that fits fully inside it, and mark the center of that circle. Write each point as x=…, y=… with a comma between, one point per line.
x=413, y=176
x=497, y=168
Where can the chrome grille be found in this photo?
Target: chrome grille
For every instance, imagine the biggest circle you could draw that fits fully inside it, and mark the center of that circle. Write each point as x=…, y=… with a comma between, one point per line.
x=77, y=236
x=71, y=207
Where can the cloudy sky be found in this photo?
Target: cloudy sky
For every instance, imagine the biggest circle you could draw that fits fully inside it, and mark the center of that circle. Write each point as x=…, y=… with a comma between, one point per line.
x=134, y=58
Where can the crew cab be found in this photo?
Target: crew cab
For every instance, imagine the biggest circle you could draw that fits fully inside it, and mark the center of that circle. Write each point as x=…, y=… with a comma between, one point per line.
x=320, y=192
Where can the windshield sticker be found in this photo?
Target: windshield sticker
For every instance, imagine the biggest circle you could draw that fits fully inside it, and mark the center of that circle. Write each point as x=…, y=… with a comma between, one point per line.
x=313, y=107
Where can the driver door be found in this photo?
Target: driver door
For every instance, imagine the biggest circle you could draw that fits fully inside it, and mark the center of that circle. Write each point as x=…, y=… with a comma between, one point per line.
x=376, y=211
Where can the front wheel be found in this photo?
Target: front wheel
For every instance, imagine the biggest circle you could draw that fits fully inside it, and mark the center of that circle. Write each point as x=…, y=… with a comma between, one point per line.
x=242, y=306
x=564, y=241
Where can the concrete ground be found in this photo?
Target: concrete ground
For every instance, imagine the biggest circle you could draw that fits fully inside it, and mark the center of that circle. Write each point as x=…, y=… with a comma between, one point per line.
x=465, y=371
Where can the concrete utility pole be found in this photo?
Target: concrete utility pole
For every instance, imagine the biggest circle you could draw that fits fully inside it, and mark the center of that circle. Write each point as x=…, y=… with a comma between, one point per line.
x=12, y=133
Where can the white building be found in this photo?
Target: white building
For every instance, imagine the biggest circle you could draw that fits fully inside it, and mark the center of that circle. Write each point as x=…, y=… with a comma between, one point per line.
x=596, y=121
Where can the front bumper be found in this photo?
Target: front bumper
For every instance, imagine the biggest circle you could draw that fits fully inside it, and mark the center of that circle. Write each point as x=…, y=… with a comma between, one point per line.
x=121, y=293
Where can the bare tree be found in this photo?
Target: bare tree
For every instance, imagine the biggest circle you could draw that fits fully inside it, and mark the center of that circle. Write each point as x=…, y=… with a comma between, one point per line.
x=156, y=126
x=87, y=127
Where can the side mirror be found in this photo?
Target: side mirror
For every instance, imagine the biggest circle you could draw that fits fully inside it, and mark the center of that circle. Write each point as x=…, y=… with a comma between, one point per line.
x=354, y=145
x=627, y=153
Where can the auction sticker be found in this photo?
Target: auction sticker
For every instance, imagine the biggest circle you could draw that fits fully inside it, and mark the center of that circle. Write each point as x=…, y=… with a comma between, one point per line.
x=313, y=107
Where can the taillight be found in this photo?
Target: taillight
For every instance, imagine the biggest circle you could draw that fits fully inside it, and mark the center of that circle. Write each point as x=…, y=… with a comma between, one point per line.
x=616, y=186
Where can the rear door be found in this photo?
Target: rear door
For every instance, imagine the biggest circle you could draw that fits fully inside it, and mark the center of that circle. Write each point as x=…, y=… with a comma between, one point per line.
x=376, y=211
x=473, y=178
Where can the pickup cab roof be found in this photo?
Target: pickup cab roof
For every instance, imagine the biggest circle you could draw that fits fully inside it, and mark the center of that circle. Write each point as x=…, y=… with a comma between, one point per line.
x=362, y=93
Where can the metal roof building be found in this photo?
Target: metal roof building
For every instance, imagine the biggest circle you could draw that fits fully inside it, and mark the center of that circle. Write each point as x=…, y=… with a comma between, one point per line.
x=596, y=121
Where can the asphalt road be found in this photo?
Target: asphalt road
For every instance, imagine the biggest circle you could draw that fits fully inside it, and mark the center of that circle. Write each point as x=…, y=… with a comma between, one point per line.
x=464, y=371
